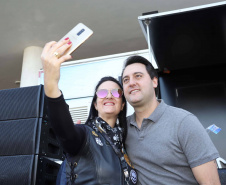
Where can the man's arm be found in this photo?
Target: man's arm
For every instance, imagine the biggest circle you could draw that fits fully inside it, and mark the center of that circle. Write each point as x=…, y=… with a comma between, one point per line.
x=207, y=173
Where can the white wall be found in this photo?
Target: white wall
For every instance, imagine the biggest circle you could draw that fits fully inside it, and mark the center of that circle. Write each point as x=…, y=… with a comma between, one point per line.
x=79, y=78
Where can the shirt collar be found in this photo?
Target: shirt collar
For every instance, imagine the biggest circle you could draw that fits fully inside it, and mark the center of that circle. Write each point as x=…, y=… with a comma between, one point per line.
x=155, y=116
x=133, y=119
x=158, y=112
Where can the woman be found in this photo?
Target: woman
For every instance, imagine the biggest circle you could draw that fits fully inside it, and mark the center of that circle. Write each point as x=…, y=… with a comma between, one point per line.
x=95, y=150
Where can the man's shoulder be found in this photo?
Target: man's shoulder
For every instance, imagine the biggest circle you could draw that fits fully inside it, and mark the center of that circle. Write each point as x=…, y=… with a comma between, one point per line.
x=178, y=110
x=177, y=113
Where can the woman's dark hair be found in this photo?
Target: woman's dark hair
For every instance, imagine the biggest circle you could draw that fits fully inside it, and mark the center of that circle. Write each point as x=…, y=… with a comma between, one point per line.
x=122, y=115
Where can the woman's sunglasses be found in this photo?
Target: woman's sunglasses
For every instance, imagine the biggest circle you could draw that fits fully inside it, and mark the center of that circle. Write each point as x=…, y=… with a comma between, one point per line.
x=102, y=93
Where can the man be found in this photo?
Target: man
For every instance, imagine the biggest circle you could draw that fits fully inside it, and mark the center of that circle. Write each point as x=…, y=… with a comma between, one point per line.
x=167, y=145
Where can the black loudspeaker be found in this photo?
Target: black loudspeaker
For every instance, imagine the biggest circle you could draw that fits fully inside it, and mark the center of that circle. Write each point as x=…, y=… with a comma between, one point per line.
x=19, y=103
x=28, y=170
x=28, y=145
x=29, y=136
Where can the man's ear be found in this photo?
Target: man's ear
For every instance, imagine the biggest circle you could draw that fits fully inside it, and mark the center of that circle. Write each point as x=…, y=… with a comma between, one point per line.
x=155, y=82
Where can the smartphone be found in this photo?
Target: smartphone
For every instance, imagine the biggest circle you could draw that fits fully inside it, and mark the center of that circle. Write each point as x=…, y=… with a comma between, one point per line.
x=78, y=35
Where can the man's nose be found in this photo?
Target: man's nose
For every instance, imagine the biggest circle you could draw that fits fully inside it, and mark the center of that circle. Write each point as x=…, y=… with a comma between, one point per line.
x=132, y=82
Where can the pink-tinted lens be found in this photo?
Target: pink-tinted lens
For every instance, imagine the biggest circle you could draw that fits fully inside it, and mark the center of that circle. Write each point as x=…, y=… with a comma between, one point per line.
x=117, y=93
x=102, y=93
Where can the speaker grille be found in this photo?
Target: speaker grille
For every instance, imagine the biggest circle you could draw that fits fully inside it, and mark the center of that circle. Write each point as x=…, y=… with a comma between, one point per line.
x=18, y=137
x=16, y=170
x=20, y=103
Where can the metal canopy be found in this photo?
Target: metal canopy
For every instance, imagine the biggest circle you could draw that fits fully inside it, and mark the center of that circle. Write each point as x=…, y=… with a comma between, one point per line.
x=186, y=38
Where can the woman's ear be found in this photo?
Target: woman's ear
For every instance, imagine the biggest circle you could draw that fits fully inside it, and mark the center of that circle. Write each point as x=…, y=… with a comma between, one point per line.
x=95, y=105
x=123, y=104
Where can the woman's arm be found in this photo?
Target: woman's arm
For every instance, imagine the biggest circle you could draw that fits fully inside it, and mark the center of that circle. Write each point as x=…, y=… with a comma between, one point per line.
x=71, y=136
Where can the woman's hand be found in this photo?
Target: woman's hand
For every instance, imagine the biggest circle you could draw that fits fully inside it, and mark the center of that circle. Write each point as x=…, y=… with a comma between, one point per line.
x=52, y=57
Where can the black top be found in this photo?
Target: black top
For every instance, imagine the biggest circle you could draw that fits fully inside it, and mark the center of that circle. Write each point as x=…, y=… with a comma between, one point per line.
x=94, y=158
x=71, y=136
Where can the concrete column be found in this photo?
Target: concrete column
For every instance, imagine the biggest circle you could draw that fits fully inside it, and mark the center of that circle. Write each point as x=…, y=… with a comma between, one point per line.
x=31, y=65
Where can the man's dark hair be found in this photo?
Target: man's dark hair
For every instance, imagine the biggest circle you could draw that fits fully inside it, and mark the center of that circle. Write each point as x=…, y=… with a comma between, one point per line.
x=149, y=67
x=139, y=59
x=121, y=116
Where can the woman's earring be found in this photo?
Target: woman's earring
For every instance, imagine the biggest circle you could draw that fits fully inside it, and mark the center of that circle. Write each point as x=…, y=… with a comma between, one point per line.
x=117, y=122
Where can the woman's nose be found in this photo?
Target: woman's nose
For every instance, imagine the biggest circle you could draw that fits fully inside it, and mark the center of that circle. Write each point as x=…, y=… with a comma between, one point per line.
x=109, y=95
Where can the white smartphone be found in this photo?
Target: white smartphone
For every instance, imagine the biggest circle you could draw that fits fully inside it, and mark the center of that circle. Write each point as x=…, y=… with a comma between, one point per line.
x=78, y=35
